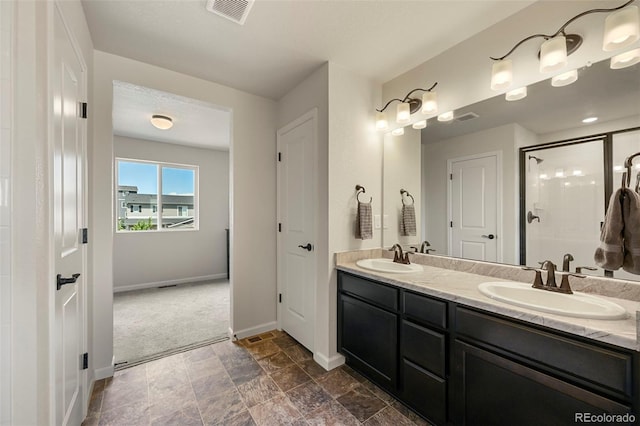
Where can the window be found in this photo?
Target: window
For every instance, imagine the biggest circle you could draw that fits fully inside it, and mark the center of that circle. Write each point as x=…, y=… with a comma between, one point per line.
x=155, y=196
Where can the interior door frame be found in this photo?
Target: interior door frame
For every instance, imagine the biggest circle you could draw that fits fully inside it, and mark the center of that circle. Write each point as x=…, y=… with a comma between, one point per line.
x=309, y=115
x=54, y=8
x=499, y=199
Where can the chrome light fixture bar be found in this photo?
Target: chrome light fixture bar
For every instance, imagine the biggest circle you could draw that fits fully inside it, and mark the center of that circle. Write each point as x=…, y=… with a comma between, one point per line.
x=622, y=28
x=409, y=105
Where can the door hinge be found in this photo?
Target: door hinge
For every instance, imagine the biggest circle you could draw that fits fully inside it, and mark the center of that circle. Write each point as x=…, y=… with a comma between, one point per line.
x=450, y=176
x=279, y=227
x=279, y=297
x=85, y=360
x=279, y=156
x=450, y=224
x=85, y=236
x=83, y=110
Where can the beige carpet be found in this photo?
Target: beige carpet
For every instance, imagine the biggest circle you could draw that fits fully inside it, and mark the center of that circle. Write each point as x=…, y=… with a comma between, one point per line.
x=152, y=323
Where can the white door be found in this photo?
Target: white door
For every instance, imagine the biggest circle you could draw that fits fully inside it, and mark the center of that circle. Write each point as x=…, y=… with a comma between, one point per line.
x=296, y=236
x=473, y=204
x=68, y=88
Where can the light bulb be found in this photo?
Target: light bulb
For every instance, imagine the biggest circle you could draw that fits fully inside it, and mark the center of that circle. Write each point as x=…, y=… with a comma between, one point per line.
x=429, y=103
x=621, y=29
x=564, y=79
x=398, y=132
x=381, y=121
x=516, y=94
x=419, y=124
x=553, y=54
x=446, y=116
x=625, y=59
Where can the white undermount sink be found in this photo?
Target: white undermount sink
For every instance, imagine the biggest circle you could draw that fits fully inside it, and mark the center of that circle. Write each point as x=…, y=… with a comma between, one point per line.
x=578, y=305
x=388, y=266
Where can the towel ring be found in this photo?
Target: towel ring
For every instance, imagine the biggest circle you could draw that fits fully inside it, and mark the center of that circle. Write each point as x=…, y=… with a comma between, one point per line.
x=403, y=192
x=360, y=190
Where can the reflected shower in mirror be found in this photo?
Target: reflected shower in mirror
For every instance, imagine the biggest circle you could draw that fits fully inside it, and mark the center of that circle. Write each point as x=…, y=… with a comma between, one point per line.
x=464, y=174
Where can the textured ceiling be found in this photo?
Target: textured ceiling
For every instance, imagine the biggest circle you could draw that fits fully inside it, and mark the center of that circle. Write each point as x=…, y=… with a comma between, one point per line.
x=282, y=42
x=195, y=123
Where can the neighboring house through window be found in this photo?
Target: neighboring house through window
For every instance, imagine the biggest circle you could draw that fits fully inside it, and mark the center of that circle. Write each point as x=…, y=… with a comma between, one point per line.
x=156, y=196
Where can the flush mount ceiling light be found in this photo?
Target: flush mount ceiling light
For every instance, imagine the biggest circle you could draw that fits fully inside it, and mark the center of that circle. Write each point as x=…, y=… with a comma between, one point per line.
x=161, y=122
x=516, y=94
x=564, y=79
x=622, y=27
x=408, y=106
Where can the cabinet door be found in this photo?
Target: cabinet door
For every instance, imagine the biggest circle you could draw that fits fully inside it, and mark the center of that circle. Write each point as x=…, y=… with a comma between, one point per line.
x=424, y=392
x=492, y=390
x=368, y=338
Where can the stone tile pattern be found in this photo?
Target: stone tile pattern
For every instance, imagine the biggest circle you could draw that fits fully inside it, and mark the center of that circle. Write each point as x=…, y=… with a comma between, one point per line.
x=268, y=379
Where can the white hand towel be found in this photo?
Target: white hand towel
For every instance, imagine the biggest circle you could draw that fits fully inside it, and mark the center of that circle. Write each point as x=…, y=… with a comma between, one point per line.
x=408, y=222
x=364, y=228
x=631, y=217
x=610, y=254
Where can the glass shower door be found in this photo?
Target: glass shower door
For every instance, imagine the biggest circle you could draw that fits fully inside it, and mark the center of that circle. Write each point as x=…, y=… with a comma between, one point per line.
x=564, y=203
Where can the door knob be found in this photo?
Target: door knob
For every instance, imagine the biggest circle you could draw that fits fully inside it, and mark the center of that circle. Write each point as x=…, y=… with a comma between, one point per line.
x=308, y=247
x=490, y=236
x=63, y=281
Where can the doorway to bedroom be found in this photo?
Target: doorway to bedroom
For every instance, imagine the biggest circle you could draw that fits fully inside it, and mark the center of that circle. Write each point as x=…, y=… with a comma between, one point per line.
x=171, y=220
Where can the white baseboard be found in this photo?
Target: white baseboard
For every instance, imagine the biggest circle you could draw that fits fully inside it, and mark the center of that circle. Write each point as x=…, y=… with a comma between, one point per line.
x=328, y=363
x=252, y=331
x=142, y=286
x=103, y=373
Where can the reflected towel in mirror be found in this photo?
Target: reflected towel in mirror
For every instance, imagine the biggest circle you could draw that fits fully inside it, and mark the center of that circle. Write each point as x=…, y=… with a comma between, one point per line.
x=364, y=227
x=631, y=218
x=408, y=221
x=610, y=254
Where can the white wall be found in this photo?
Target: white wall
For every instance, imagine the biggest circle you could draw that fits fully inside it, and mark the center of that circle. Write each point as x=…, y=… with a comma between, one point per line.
x=252, y=194
x=402, y=170
x=355, y=157
x=149, y=259
x=593, y=129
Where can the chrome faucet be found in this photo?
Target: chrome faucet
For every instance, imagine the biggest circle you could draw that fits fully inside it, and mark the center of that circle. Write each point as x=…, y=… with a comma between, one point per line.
x=398, y=256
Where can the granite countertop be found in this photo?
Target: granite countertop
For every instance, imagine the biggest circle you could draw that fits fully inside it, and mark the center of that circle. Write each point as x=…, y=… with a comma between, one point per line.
x=462, y=288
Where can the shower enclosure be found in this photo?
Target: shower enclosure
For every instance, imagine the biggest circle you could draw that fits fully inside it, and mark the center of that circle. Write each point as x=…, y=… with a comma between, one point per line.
x=564, y=192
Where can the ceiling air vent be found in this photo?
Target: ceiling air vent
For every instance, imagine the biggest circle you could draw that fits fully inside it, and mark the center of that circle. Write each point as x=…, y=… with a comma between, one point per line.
x=233, y=10
x=468, y=116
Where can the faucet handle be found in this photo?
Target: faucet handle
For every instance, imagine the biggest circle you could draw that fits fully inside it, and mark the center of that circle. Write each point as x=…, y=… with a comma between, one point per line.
x=564, y=284
x=537, y=281
x=588, y=268
x=428, y=250
x=415, y=249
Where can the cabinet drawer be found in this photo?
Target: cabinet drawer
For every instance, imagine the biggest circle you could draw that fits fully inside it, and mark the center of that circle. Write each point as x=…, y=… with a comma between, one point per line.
x=425, y=309
x=592, y=365
x=424, y=347
x=424, y=392
x=379, y=294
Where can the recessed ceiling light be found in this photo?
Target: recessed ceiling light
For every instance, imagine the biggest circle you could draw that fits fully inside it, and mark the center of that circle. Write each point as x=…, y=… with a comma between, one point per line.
x=161, y=122
x=589, y=120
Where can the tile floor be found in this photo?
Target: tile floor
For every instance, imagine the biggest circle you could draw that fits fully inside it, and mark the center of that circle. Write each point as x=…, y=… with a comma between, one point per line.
x=263, y=380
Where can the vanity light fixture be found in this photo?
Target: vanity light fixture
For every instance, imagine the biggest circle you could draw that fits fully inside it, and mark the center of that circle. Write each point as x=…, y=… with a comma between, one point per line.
x=409, y=105
x=398, y=132
x=516, y=94
x=625, y=59
x=161, y=122
x=564, y=79
x=590, y=120
x=419, y=124
x=622, y=28
x=446, y=116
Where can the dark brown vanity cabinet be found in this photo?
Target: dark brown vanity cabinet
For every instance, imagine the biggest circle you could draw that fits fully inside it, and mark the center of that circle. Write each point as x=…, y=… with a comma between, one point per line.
x=368, y=328
x=463, y=366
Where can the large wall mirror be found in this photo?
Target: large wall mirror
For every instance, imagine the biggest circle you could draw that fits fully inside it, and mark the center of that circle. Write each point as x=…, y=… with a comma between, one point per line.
x=450, y=169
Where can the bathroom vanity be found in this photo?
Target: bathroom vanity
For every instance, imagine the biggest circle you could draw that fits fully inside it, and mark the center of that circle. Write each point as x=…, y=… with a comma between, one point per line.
x=456, y=357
